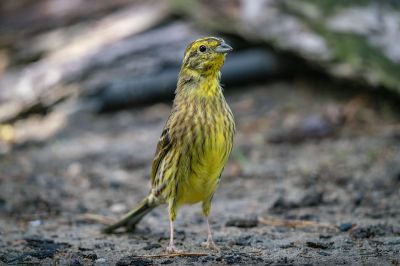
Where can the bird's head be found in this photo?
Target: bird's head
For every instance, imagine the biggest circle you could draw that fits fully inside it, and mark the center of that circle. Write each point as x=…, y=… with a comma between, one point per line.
x=205, y=57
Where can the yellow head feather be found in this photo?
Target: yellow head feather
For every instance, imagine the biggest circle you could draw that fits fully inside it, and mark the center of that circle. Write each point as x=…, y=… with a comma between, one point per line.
x=202, y=61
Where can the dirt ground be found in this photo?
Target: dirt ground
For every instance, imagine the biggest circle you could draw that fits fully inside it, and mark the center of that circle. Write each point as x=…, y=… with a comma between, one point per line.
x=313, y=179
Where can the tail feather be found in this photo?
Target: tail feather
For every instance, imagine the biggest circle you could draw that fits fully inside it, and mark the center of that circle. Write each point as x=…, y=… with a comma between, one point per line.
x=132, y=218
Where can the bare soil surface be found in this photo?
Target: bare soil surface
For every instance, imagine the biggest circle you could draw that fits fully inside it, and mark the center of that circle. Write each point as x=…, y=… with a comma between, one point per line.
x=313, y=179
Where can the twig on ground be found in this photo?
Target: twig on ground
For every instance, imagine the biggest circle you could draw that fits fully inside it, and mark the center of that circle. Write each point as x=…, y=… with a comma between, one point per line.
x=97, y=218
x=294, y=223
x=172, y=255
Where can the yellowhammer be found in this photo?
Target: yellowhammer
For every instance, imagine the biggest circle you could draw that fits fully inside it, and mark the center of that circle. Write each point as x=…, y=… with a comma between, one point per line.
x=196, y=140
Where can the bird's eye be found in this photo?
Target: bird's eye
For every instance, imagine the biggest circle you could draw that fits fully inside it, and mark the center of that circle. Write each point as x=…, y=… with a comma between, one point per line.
x=202, y=48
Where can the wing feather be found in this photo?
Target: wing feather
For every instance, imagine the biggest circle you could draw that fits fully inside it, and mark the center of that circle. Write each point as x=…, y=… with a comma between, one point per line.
x=164, y=145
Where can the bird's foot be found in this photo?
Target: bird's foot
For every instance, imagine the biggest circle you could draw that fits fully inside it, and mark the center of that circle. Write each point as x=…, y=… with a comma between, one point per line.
x=171, y=249
x=209, y=244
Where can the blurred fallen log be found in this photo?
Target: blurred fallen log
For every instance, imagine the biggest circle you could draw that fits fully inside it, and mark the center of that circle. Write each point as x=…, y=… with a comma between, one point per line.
x=57, y=76
x=19, y=20
x=113, y=84
x=356, y=40
x=240, y=67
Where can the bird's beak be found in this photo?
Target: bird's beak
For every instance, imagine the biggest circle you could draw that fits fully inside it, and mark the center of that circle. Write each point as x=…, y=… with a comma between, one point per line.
x=223, y=48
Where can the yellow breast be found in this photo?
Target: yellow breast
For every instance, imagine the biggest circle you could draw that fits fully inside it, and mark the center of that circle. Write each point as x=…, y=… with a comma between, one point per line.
x=208, y=160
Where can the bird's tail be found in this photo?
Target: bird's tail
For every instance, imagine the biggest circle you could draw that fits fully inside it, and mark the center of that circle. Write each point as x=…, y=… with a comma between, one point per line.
x=130, y=220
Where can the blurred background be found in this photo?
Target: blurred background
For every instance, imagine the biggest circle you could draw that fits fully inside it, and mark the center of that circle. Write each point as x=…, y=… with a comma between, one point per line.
x=86, y=87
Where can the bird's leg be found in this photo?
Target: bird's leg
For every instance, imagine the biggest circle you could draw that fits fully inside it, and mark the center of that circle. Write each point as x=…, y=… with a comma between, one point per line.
x=172, y=216
x=206, y=211
x=171, y=247
x=210, y=242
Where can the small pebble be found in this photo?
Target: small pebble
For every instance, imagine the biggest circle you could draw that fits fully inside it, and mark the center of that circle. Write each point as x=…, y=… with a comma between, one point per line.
x=397, y=177
x=35, y=223
x=74, y=262
x=317, y=244
x=101, y=260
x=312, y=198
x=152, y=246
x=345, y=227
x=208, y=258
x=242, y=222
x=90, y=256
x=323, y=253
x=243, y=241
x=118, y=207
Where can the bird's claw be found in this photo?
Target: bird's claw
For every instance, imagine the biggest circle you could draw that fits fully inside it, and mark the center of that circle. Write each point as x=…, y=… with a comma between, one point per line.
x=171, y=249
x=209, y=244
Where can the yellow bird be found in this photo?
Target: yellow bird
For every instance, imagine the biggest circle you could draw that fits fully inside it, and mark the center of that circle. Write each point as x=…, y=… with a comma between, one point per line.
x=195, y=142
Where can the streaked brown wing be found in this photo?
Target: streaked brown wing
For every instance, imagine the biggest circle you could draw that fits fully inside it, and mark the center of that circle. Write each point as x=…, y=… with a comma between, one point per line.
x=163, y=146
